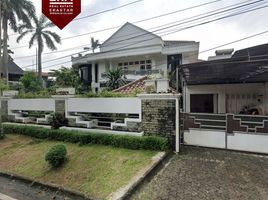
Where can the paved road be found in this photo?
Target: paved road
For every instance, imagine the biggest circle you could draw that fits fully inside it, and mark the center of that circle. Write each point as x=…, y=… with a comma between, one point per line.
x=5, y=197
x=200, y=173
x=21, y=191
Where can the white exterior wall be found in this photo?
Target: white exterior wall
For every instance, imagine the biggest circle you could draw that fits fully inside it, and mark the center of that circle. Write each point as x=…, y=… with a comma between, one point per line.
x=222, y=90
x=31, y=104
x=132, y=36
x=104, y=105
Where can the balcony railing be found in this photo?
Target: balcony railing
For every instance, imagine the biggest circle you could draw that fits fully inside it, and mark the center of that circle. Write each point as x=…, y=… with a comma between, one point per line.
x=139, y=72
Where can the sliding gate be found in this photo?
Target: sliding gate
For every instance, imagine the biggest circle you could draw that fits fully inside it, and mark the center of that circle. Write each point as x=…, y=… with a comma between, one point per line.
x=226, y=131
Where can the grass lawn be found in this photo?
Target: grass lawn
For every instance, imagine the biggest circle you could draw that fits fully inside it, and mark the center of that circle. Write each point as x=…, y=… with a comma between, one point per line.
x=93, y=169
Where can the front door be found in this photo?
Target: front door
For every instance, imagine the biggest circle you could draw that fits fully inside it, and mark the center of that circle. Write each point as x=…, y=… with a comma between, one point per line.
x=202, y=103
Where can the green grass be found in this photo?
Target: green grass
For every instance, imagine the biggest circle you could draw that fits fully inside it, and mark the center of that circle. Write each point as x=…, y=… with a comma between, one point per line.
x=94, y=170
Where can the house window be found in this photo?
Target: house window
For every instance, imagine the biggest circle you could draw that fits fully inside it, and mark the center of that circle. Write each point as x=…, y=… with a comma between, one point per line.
x=120, y=64
x=149, y=67
x=142, y=67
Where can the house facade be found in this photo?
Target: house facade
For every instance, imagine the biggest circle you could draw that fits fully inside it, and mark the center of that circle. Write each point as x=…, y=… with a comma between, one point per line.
x=138, y=52
x=14, y=72
x=228, y=85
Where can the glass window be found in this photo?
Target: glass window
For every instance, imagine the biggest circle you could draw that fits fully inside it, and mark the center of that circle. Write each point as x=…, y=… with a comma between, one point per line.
x=142, y=62
x=142, y=67
x=148, y=61
x=149, y=67
x=137, y=62
x=120, y=64
x=131, y=63
x=126, y=64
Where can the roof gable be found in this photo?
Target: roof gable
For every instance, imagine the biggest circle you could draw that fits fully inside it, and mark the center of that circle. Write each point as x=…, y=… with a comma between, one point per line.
x=130, y=36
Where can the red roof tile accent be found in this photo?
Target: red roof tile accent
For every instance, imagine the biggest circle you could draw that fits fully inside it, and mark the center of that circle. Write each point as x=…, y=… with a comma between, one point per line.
x=133, y=86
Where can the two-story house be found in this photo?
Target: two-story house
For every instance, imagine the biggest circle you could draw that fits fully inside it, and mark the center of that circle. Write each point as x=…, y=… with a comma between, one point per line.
x=138, y=52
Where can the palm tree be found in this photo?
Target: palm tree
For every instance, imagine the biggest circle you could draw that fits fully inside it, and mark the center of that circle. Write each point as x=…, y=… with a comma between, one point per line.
x=94, y=44
x=41, y=36
x=11, y=10
x=115, y=78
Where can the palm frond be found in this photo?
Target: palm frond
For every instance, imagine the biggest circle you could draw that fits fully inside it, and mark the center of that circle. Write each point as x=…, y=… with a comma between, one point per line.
x=54, y=35
x=33, y=38
x=49, y=42
x=22, y=35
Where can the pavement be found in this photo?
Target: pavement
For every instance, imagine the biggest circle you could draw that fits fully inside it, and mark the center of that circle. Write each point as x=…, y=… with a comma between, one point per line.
x=5, y=197
x=17, y=190
x=202, y=173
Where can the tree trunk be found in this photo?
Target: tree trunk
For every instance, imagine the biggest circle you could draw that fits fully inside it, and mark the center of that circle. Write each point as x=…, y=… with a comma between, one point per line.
x=1, y=63
x=39, y=63
x=5, y=50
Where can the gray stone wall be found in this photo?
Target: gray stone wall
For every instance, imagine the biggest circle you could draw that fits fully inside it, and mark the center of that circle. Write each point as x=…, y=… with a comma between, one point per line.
x=60, y=106
x=4, y=113
x=158, y=117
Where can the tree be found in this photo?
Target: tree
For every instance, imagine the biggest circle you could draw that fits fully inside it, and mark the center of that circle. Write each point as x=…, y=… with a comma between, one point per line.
x=10, y=11
x=94, y=44
x=66, y=77
x=116, y=78
x=30, y=82
x=41, y=35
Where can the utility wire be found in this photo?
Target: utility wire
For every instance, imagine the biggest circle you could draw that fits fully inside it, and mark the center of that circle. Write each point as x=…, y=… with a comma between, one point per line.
x=135, y=22
x=196, y=17
x=101, y=12
x=165, y=34
x=207, y=50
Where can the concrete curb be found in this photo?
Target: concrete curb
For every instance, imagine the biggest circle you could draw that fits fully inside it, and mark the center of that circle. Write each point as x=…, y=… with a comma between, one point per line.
x=147, y=175
x=52, y=187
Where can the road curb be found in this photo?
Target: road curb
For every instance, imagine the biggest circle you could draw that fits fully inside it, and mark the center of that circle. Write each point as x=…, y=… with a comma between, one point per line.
x=154, y=169
x=52, y=187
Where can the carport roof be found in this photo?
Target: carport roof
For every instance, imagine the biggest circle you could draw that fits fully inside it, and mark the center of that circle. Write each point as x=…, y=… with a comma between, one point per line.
x=238, y=69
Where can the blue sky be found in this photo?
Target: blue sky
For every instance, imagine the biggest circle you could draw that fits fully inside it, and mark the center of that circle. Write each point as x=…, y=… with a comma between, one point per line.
x=210, y=35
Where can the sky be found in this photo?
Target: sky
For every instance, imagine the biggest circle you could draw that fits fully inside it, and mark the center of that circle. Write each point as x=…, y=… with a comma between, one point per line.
x=209, y=35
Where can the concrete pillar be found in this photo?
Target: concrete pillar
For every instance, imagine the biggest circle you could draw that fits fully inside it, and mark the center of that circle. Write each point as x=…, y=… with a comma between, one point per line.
x=265, y=102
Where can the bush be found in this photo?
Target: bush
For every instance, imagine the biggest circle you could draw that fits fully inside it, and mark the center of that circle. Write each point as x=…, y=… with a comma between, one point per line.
x=56, y=156
x=57, y=120
x=122, y=141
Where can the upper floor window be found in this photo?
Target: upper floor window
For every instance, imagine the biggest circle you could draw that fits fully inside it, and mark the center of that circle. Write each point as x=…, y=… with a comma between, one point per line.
x=142, y=64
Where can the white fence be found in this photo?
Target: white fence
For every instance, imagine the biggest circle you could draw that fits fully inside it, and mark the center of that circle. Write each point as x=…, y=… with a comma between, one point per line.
x=104, y=105
x=31, y=104
x=235, y=132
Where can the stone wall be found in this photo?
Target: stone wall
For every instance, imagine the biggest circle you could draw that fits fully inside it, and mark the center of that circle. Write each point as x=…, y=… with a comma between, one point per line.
x=4, y=110
x=158, y=117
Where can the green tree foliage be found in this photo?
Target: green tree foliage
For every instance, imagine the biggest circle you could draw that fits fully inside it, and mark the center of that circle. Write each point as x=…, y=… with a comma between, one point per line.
x=30, y=82
x=12, y=11
x=94, y=44
x=66, y=77
x=116, y=78
x=41, y=36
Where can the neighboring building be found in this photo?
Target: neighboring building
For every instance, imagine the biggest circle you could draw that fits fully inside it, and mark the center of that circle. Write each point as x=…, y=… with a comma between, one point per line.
x=222, y=54
x=138, y=52
x=15, y=72
x=228, y=85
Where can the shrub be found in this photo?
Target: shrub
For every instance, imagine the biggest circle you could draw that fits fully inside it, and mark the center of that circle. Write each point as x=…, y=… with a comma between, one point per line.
x=57, y=120
x=122, y=141
x=56, y=156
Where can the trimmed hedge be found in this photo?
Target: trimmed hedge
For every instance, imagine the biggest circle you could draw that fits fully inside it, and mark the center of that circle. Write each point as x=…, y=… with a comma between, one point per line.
x=56, y=155
x=129, y=142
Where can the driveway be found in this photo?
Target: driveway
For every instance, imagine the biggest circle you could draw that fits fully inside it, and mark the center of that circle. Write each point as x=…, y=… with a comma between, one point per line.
x=200, y=173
